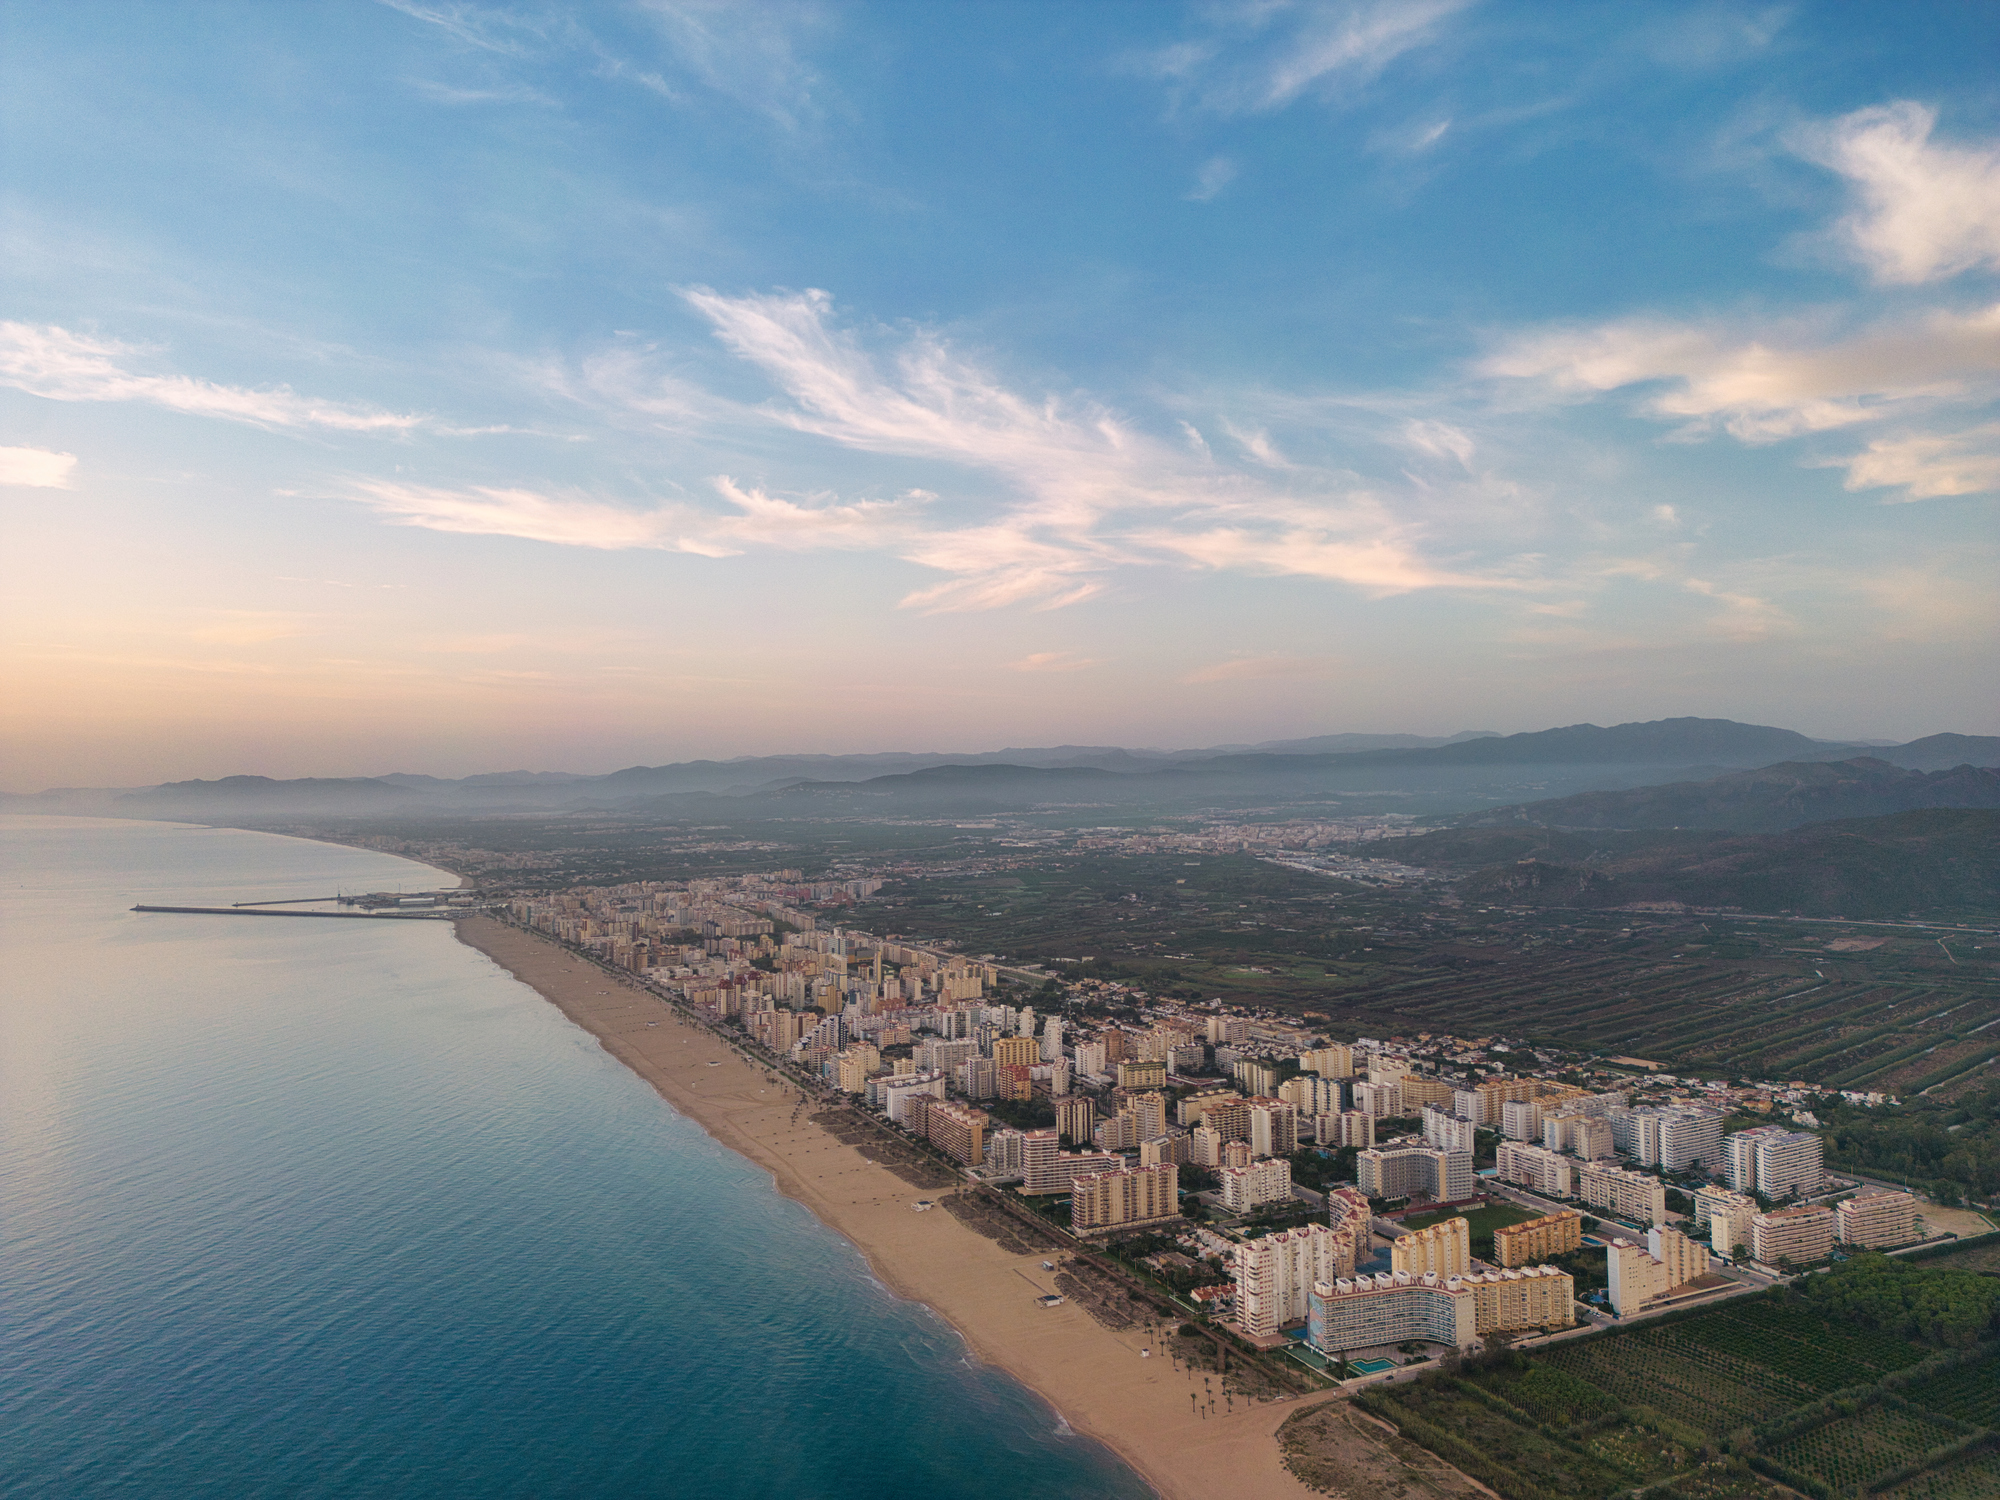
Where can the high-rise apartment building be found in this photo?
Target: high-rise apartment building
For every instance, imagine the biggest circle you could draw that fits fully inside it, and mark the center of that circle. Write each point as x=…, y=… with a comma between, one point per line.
x=1690, y=1138
x=1774, y=1162
x=1352, y=1128
x=1521, y=1120
x=1877, y=1220
x=897, y=1092
x=1259, y=1076
x=1052, y=1039
x=1728, y=1222
x=1538, y=1239
x=1274, y=1129
x=1076, y=1120
x=1363, y=1312
x=1531, y=1297
x=1047, y=1168
x=1016, y=1052
x=1311, y=1094
x=1333, y=1061
x=1803, y=1236
x=1419, y=1173
x=958, y=1130
x=1275, y=1274
x=1586, y=1136
x=1172, y=1147
x=1639, y=1274
x=1205, y=1147
x=1266, y=1181
x=1383, y=1101
x=1124, y=1198
x=1446, y=1131
x=1444, y=1248
x=1536, y=1168
x=1134, y=1076
x=1631, y=1195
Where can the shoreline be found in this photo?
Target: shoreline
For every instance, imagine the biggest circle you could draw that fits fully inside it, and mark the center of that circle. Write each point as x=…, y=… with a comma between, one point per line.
x=1094, y=1378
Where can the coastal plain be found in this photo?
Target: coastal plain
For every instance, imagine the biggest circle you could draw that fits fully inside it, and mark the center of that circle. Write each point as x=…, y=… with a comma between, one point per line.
x=1102, y=1381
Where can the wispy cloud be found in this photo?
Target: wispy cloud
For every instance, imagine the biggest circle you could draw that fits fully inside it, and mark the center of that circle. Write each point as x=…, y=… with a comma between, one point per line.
x=483, y=26
x=59, y=365
x=1216, y=174
x=1053, y=661
x=1039, y=500
x=1924, y=210
x=1261, y=55
x=751, y=54
x=36, y=468
x=507, y=93
x=1925, y=465
x=575, y=519
x=1769, y=384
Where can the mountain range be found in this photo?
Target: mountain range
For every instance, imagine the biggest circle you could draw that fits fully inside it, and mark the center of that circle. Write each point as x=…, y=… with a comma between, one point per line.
x=1470, y=772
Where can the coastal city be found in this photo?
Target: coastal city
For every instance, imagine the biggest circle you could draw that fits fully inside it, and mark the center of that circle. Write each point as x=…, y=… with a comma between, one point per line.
x=1355, y=1207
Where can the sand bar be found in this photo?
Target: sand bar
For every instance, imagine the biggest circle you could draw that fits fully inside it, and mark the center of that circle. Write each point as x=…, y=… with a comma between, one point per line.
x=1140, y=1406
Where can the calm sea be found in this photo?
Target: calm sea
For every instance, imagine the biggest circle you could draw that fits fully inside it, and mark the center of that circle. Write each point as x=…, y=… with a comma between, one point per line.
x=340, y=1209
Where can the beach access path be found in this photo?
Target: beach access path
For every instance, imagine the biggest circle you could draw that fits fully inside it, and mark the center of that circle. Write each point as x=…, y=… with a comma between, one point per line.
x=1095, y=1377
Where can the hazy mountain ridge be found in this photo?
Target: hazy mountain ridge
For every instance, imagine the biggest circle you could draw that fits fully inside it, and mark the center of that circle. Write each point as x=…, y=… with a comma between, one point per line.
x=1765, y=800
x=1465, y=770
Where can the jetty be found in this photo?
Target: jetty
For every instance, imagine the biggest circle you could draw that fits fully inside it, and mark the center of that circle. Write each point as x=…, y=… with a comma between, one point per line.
x=435, y=914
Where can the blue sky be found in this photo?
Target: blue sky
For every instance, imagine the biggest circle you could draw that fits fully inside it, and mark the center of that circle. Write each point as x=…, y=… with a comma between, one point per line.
x=443, y=387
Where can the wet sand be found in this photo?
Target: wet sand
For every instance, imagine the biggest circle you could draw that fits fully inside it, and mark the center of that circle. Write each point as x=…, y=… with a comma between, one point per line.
x=1094, y=1376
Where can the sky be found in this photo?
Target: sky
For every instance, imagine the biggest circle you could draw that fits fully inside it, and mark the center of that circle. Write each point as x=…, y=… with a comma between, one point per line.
x=436, y=386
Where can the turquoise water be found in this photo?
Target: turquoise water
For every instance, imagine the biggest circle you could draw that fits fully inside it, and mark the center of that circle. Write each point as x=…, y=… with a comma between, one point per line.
x=341, y=1209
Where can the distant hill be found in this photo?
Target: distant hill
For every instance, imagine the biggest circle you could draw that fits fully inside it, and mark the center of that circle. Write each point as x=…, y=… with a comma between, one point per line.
x=1785, y=795
x=1940, y=752
x=250, y=795
x=1933, y=862
x=1362, y=772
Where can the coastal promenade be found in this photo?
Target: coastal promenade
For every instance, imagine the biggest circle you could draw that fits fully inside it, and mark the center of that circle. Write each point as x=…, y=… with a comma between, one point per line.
x=1104, y=1383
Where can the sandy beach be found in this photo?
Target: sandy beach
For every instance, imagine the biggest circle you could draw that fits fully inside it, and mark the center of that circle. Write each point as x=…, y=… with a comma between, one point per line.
x=1140, y=1405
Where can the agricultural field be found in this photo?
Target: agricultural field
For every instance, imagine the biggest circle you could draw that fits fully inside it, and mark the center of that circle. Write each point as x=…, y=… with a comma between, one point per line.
x=1973, y=1478
x=1690, y=1406
x=1744, y=1363
x=1849, y=1454
x=1516, y=1460
x=1547, y=1395
x=1970, y=1393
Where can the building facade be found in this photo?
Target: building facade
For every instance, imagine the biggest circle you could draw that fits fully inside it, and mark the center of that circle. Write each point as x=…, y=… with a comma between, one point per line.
x=1876, y=1221
x=1349, y=1128
x=1538, y=1239
x=1275, y=1274
x=1444, y=1248
x=1248, y=1187
x=1639, y=1274
x=1629, y=1195
x=1802, y=1236
x=1419, y=1173
x=1774, y=1162
x=1536, y=1168
x=1350, y=1313
x=957, y=1129
x=1124, y=1199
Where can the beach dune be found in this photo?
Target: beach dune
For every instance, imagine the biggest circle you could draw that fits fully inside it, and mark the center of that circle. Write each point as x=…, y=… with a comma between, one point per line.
x=1098, y=1378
